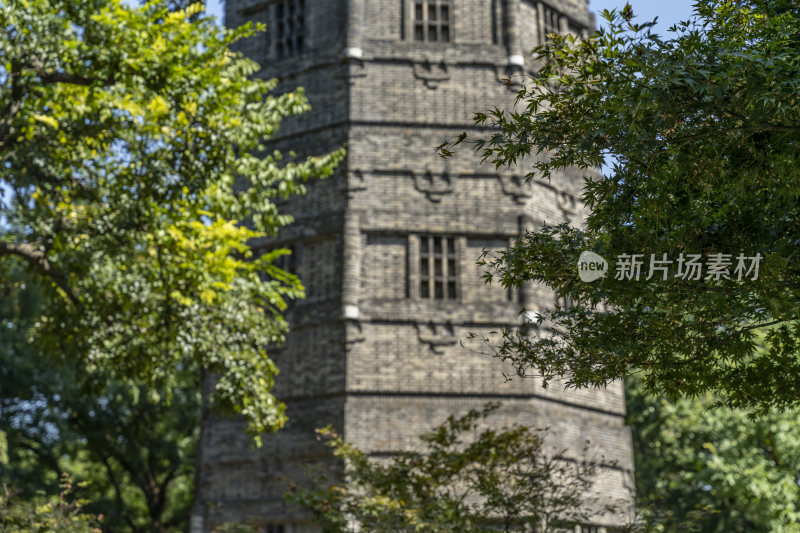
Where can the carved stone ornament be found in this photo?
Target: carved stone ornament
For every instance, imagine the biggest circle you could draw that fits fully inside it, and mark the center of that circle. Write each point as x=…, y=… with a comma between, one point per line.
x=357, y=70
x=433, y=186
x=516, y=187
x=354, y=333
x=436, y=336
x=565, y=201
x=355, y=183
x=431, y=74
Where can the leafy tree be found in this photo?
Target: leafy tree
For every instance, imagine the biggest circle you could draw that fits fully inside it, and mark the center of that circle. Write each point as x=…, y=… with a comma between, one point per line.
x=702, y=130
x=122, y=133
x=59, y=514
x=129, y=452
x=497, y=480
x=700, y=467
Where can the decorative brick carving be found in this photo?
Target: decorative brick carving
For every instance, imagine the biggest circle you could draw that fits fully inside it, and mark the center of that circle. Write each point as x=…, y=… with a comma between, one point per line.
x=436, y=336
x=355, y=333
x=355, y=183
x=433, y=186
x=357, y=70
x=431, y=74
x=516, y=187
x=566, y=201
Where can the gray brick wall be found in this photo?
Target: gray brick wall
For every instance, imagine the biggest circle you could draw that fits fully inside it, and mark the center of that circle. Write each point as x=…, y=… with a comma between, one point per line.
x=367, y=353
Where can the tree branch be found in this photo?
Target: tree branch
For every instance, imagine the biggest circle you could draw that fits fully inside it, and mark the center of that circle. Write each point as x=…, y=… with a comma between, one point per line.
x=14, y=103
x=18, y=91
x=26, y=443
x=766, y=324
x=117, y=490
x=38, y=258
x=48, y=78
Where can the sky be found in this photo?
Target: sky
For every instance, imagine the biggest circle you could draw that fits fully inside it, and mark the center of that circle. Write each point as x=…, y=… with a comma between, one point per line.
x=667, y=11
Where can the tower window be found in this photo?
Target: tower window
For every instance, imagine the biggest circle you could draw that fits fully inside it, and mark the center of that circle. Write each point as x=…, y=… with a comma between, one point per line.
x=551, y=21
x=432, y=20
x=564, y=303
x=437, y=268
x=289, y=27
x=287, y=262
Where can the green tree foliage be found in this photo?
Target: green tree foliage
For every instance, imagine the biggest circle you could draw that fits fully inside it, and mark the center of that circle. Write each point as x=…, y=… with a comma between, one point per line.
x=700, y=467
x=129, y=452
x=56, y=514
x=122, y=132
x=703, y=130
x=463, y=480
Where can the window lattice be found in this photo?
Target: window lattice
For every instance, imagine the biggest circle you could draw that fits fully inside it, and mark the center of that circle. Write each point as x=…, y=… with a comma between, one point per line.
x=432, y=20
x=437, y=268
x=287, y=262
x=551, y=20
x=575, y=29
x=289, y=27
x=565, y=303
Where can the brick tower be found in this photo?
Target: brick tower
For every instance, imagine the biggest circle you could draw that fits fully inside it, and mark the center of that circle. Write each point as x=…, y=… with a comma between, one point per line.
x=387, y=246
